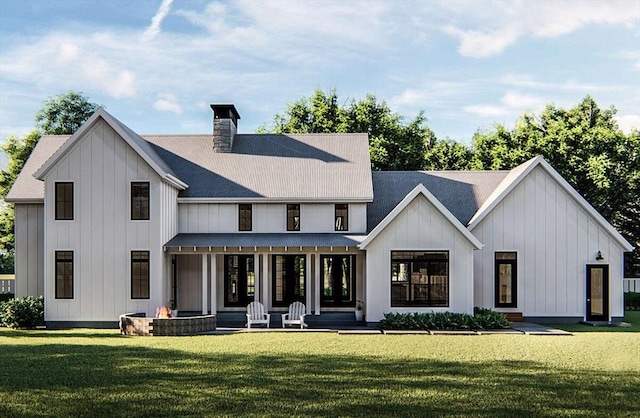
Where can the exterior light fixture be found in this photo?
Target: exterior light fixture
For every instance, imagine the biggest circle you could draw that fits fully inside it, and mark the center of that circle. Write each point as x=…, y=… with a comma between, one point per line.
x=599, y=257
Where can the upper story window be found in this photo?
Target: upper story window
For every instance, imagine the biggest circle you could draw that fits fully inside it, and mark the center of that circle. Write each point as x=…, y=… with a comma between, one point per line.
x=64, y=274
x=293, y=217
x=64, y=201
x=245, y=217
x=342, y=217
x=140, y=201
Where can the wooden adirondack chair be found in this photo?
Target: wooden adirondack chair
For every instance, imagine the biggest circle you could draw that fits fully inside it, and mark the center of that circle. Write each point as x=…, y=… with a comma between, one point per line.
x=256, y=314
x=296, y=314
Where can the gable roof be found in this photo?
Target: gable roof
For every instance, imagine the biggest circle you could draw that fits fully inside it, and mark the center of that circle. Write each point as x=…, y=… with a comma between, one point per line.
x=461, y=192
x=134, y=140
x=292, y=167
x=515, y=177
x=420, y=189
x=27, y=188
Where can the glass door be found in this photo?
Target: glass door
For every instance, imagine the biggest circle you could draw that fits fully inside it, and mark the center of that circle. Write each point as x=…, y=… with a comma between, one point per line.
x=597, y=293
x=288, y=279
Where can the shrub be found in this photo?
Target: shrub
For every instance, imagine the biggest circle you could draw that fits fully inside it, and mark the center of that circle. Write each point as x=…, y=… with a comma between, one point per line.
x=25, y=313
x=482, y=319
x=6, y=296
x=632, y=301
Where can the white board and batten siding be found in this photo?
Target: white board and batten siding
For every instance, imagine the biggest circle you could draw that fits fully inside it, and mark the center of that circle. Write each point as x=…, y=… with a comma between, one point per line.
x=29, y=244
x=267, y=218
x=554, y=238
x=419, y=227
x=102, y=235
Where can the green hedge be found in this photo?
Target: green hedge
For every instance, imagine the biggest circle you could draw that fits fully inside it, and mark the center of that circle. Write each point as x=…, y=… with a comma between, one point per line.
x=632, y=301
x=25, y=313
x=482, y=319
x=6, y=296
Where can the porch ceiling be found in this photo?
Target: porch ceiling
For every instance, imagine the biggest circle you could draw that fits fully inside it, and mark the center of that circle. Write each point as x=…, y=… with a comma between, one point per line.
x=265, y=240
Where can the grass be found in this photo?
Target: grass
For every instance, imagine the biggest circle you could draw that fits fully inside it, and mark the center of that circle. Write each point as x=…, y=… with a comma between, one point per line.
x=630, y=317
x=98, y=373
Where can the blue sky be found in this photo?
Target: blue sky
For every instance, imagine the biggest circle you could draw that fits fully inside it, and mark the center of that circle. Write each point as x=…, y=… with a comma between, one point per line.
x=157, y=64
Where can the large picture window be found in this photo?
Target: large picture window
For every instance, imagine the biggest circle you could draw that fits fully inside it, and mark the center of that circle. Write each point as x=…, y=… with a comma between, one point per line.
x=139, y=274
x=420, y=278
x=506, y=280
x=245, y=217
x=64, y=274
x=293, y=217
x=239, y=280
x=342, y=217
x=140, y=201
x=64, y=201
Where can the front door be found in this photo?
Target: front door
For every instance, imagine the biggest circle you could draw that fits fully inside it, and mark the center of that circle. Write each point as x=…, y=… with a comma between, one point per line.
x=597, y=292
x=288, y=279
x=338, y=280
x=239, y=280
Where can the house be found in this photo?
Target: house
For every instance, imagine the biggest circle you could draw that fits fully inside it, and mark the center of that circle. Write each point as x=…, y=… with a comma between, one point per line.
x=108, y=221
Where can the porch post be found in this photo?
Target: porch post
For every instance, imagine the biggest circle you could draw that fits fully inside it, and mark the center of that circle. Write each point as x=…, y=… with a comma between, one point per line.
x=257, y=276
x=205, y=270
x=319, y=279
x=307, y=285
x=265, y=281
x=214, y=285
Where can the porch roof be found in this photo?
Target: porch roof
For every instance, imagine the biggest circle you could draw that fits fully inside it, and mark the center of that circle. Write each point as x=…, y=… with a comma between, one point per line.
x=265, y=240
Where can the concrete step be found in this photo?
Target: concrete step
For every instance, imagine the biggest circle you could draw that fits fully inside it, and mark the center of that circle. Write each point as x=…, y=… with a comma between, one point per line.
x=514, y=316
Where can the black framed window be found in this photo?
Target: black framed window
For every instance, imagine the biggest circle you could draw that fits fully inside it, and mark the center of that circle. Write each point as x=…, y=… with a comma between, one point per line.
x=245, y=217
x=338, y=280
x=139, y=274
x=293, y=217
x=239, y=280
x=140, y=201
x=342, y=217
x=420, y=278
x=288, y=279
x=64, y=201
x=64, y=274
x=506, y=280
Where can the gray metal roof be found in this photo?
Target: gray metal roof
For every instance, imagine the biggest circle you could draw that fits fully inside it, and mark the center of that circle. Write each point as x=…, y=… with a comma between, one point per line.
x=461, y=192
x=265, y=240
x=27, y=188
x=304, y=167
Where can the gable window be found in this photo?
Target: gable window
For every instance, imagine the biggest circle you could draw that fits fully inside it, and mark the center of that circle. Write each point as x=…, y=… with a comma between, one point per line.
x=420, y=278
x=64, y=274
x=140, y=201
x=64, y=201
x=245, y=217
x=293, y=217
x=139, y=274
x=342, y=217
x=506, y=280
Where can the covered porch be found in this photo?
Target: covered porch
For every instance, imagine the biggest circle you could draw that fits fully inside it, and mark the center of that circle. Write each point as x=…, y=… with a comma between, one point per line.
x=222, y=273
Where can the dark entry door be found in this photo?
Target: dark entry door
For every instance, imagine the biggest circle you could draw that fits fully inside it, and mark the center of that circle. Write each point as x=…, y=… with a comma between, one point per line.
x=288, y=279
x=239, y=280
x=597, y=293
x=338, y=280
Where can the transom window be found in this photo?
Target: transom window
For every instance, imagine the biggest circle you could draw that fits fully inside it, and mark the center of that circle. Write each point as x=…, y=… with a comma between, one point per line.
x=342, y=217
x=293, y=217
x=420, y=278
x=64, y=201
x=139, y=274
x=140, y=201
x=64, y=274
x=245, y=217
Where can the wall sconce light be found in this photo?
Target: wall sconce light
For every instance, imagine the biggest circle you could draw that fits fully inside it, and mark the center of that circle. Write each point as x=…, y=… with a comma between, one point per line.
x=599, y=257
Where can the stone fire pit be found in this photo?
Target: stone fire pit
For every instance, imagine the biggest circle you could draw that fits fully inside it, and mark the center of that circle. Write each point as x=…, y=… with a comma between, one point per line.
x=138, y=324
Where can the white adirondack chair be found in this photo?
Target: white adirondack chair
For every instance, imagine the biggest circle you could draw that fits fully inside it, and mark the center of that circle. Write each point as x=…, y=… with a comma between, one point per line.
x=256, y=314
x=295, y=316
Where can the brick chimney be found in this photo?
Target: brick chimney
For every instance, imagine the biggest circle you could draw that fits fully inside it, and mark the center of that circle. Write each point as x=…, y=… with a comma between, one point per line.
x=225, y=126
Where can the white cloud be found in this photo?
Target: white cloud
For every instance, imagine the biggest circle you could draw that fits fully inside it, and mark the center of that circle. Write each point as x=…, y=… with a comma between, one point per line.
x=116, y=83
x=487, y=111
x=512, y=104
x=154, y=29
x=67, y=53
x=167, y=103
x=628, y=123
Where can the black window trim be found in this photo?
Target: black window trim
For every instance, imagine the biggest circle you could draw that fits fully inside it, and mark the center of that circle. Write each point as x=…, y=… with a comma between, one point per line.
x=290, y=208
x=345, y=224
x=135, y=217
x=413, y=304
x=58, y=253
x=57, y=215
x=148, y=278
x=240, y=217
x=514, y=279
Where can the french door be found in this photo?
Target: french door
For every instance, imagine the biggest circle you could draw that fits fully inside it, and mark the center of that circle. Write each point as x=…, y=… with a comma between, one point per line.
x=289, y=273
x=338, y=280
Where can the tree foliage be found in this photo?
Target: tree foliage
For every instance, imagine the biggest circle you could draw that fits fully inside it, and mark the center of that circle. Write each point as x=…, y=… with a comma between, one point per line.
x=393, y=144
x=60, y=115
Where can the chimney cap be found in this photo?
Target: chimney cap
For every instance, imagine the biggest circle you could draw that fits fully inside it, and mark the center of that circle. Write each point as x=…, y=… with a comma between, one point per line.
x=225, y=111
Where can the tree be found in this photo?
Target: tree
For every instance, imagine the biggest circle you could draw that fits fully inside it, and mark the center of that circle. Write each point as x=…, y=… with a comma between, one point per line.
x=448, y=155
x=60, y=115
x=393, y=145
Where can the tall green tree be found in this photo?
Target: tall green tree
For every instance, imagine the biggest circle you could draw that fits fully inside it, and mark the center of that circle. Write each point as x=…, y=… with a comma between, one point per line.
x=393, y=144
x=448, y=155
x=60, y=115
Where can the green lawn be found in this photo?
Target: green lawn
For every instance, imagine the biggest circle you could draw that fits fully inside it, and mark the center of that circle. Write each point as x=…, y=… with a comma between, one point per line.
x=630, y=317
x=98, y=373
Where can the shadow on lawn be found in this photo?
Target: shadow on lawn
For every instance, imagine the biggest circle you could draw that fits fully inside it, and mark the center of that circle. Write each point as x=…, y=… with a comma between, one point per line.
x=118, y=381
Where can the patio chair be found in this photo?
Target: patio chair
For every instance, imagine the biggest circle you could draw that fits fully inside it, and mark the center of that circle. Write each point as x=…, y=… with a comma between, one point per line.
x=256, y=314
x=296, y=314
